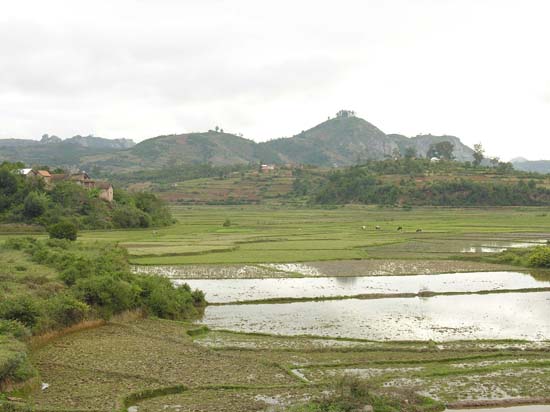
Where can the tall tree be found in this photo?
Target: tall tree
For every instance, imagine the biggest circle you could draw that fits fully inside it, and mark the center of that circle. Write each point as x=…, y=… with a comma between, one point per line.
x=478, y=154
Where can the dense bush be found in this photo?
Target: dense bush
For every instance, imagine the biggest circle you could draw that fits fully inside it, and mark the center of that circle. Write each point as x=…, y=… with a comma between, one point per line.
x=99, y=283
x=540, y=257
x=14, y=328
x=63, y=230
x=65, y=309
x=20, y=308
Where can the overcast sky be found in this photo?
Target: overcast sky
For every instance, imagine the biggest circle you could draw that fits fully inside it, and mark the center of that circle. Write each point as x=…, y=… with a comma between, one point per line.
x=476, y=69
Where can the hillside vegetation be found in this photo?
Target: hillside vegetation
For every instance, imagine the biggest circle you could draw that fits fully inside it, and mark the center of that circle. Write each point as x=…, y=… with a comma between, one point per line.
x=50, y=285
x=29, y=200
x=421, y=182
x=402, y=181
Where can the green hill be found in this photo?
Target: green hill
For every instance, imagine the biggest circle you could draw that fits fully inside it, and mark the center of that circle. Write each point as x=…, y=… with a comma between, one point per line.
x=341, y=141
x=192, y=148
x=51, y=150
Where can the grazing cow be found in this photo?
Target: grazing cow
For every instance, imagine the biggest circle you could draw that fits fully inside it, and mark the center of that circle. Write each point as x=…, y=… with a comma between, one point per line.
x=364, y=227
x=400, y=228
x=418, y=230
x=377, y=227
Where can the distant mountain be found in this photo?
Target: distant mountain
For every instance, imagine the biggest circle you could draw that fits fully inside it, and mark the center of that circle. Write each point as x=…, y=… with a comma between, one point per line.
x=51, y=150
x=341, y=141
x=538, y=166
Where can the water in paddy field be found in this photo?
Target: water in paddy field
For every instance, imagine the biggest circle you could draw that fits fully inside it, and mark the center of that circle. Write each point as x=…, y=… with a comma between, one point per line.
x=496, y=247
x=439, y=318
x=527, y=408
x=233, y=290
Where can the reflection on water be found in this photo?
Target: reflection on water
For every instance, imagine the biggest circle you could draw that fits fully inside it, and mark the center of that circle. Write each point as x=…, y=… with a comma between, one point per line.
x=440, y=318
x=527, y=408
x=497, y=247
x=233, y=290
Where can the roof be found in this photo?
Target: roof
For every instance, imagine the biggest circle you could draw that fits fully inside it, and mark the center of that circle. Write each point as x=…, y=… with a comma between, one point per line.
x=25, y=171
x=44, y=173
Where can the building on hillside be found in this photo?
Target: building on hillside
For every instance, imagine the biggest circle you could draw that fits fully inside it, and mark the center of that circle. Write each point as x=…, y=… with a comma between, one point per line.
x=26, y=172
x=105, y=191
x=44, y=174
x=267, y=168
x=41, y=174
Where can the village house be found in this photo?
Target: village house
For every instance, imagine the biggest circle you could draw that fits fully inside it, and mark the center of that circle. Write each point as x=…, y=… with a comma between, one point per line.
x=41, y=174
x=267, y=168
x=105, y=189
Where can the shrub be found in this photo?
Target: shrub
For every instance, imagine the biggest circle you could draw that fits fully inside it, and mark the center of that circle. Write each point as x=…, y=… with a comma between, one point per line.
x=540, y=257
x=162, y=299
x=107, y=294
x=14, y=328
x=35, y=204
x=63, y=230
x=227, y=222
x=66, y=310
x=21, y=308
x=130, y=216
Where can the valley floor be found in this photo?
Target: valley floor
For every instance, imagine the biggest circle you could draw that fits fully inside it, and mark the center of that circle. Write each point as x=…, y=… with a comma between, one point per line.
x=251, y=365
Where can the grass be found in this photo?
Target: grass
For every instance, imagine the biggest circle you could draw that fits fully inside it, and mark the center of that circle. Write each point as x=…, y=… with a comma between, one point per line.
x=263, y=234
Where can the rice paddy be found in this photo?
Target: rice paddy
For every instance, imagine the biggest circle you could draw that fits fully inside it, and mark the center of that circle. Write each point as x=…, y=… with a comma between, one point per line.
x=470, y=333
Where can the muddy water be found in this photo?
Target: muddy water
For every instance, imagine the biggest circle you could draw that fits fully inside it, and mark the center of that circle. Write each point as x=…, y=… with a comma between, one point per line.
x=527, y=408
x=233, y=290
x=440, y=318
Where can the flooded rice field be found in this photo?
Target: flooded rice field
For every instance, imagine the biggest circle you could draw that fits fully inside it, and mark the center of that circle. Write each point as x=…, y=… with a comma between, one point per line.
x=235, y=290
x=438, y=318
x=367, y=267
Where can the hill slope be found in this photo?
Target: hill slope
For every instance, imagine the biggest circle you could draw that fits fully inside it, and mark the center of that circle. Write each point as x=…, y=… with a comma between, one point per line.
x=51, y=150
x=341, y=141
x=191, y=148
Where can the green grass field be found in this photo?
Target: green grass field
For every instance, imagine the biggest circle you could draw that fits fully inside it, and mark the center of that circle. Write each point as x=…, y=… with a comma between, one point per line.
x=262, y=234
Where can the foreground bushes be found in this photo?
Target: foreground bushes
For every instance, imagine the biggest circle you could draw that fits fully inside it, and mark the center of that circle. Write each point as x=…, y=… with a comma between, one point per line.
x=98, y=283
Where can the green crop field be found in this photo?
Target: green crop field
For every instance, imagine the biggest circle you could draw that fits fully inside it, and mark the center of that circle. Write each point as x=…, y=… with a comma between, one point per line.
x=263, y=234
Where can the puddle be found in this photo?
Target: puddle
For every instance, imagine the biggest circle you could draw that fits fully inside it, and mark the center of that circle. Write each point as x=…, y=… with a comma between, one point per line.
x=526, y=408
x=234, y=290
x=439, y=318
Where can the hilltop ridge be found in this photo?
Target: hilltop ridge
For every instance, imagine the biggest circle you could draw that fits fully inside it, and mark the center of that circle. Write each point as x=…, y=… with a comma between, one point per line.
x=343, y=140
